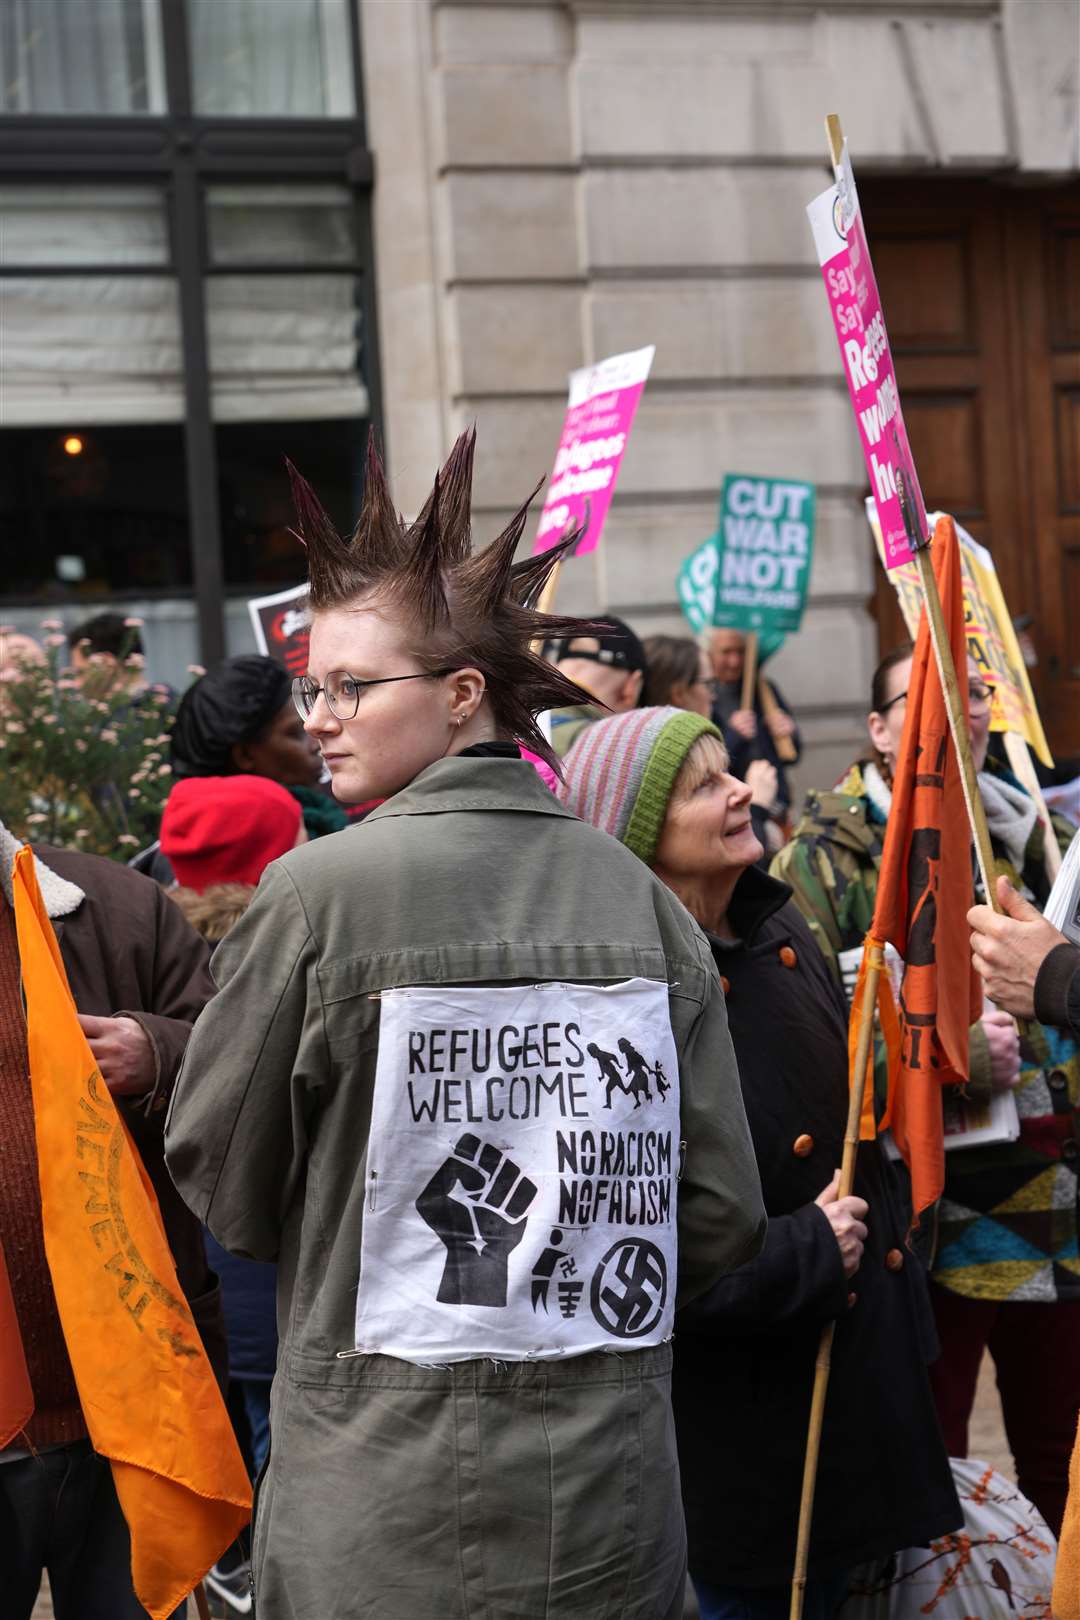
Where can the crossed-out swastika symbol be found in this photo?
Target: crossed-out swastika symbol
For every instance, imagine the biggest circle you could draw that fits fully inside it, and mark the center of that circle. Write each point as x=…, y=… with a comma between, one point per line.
x=629, y=1288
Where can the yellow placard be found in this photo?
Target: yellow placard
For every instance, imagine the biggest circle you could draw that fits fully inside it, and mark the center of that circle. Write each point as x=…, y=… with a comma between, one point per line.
x=991, y=638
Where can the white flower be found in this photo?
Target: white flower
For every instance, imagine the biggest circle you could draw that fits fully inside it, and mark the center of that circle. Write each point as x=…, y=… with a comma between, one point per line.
x=36, y=819
x=16, y=727
x=52, y=624
x=164, y=770
x=109, y=736
x=80, y=745
x=133, y=624
x=196, y=669
x=127, y=838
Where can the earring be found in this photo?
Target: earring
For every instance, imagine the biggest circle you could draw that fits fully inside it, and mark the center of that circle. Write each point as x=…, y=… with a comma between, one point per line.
x=461, y=719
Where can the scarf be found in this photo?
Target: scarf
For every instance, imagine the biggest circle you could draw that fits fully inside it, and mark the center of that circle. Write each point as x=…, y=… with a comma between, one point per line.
x=1011, y=816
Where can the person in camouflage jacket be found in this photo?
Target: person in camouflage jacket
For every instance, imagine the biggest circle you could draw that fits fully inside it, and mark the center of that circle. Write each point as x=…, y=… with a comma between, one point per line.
x=1003, y=1240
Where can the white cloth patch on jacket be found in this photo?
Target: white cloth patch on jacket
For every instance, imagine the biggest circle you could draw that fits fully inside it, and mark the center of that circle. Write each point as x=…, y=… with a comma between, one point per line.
x=522, y=1170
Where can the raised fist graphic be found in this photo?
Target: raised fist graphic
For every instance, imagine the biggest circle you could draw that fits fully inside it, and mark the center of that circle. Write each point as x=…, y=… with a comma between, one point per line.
x=476, y=1203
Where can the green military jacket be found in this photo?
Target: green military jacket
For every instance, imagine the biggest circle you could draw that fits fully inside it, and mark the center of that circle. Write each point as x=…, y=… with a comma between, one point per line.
x=473, y=881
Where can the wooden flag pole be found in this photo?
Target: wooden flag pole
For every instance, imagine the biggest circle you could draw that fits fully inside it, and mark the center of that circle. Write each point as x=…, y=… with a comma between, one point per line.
x=864, y=1050
x=749, y=670
x=201, y=1604
x=954, y=706
x=784, y=746
x=914, y=524
x=546, y=600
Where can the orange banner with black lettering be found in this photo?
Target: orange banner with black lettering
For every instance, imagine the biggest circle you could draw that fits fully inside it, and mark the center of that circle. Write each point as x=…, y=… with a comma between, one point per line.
x=148, y=1395
x=925, y=889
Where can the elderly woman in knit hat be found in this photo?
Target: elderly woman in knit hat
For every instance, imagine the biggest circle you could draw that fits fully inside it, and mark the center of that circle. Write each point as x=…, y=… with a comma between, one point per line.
x=658, y=780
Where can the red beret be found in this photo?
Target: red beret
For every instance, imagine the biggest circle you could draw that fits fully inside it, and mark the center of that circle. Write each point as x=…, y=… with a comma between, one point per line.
x=227, y=829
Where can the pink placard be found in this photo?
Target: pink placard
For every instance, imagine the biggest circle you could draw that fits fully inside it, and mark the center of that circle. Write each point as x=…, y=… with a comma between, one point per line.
x=864, y=345
x=603, y=399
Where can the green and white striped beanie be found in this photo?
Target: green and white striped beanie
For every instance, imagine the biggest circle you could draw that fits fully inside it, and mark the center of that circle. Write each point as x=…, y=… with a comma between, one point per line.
x=621, y=772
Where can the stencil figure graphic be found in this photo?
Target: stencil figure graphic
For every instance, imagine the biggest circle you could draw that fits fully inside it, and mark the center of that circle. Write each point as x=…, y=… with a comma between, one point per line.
x=544, y=1269
x=476, y=1203
x=663, y=1084
x=608, y=1065
x=638, y=1071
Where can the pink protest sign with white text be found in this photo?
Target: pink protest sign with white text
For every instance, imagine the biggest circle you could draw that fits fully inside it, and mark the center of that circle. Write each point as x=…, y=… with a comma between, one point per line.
x=603, y=399
x=864, y=344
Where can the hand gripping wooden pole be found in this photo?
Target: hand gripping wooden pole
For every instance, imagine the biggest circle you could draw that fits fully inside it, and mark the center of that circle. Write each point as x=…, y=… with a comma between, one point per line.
x=864, y=1052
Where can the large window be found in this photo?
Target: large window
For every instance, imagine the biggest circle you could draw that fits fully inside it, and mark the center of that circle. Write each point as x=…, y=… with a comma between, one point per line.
x=184, y=301
x=277, y=58
x=93, y=512
x=258, y=521
x=82, y=56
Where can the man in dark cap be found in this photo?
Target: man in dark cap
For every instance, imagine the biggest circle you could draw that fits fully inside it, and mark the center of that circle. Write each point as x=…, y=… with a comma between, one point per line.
x=611, y=666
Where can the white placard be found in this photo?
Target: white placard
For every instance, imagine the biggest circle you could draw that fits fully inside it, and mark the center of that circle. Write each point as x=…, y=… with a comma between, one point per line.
x=522, y=1171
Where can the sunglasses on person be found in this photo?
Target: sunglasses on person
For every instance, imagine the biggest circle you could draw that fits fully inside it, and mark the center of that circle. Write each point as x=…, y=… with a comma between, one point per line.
x=978, y=698
x=343, y=691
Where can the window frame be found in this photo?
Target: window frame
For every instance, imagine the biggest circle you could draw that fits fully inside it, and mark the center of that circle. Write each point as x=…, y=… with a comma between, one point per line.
x=186, y=152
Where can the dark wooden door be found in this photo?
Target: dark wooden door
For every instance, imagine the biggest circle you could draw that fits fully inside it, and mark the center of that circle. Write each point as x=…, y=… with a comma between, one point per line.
x=981, y=288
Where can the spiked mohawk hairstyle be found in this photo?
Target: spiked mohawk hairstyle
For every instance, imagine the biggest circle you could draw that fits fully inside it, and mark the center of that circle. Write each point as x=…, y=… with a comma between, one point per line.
x=476, y=612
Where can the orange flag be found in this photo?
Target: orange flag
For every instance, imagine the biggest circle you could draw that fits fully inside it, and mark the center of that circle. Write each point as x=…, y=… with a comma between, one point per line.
x=148, y=1394
x=925, y=889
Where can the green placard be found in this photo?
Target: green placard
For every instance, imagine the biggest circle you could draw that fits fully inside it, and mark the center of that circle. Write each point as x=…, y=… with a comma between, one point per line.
x=753, y=574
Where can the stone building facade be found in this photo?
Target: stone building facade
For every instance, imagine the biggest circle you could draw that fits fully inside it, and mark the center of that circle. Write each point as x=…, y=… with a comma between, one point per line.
x=558, y=180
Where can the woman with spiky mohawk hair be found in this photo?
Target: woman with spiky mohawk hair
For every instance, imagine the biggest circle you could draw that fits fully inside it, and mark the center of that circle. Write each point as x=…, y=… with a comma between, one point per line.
x=432, y=605
x=457, y=1059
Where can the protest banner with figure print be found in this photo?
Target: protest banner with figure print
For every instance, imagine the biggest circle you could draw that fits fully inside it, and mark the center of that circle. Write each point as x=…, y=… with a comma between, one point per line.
x=603, y=399
x=521, y=1173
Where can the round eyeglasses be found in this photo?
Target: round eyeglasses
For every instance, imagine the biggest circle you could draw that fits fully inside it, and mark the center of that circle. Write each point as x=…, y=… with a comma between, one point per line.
x=979, y=698
x=342, y=691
